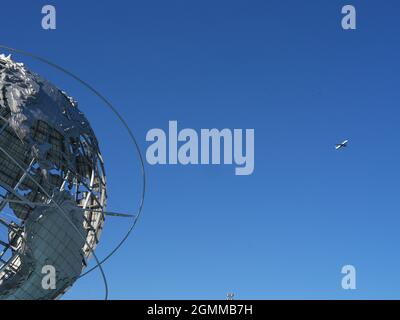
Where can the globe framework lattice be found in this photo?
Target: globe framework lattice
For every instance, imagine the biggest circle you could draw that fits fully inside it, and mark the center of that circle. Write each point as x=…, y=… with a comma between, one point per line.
x=52, y=186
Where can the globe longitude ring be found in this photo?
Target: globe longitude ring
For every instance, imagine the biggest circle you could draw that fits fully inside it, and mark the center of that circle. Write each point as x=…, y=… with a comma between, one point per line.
x=52, y=185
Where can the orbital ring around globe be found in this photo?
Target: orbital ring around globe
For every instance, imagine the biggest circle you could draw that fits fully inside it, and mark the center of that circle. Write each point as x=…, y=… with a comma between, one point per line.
x=88, y=207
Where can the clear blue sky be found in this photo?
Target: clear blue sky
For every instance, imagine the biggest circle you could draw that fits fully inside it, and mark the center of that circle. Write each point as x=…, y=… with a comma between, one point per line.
x=284, y=68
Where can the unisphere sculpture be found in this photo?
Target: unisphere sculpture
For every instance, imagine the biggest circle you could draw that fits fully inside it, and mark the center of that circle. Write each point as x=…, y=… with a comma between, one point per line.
x=52, y=186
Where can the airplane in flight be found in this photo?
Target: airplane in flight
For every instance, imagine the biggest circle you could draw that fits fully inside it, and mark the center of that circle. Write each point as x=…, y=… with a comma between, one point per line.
x=341, y=145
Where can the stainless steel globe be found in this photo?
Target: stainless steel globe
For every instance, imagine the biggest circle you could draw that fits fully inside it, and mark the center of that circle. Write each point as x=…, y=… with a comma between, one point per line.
x=52, y=186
